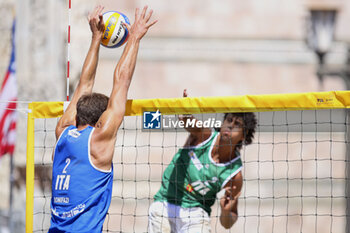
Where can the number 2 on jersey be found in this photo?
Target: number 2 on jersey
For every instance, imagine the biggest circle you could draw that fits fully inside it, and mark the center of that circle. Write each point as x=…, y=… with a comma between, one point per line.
x=67, y=164
x=62, y=181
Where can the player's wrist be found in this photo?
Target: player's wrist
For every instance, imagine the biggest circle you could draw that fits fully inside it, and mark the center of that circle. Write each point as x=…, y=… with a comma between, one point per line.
x=96, y=37
x=134, y=39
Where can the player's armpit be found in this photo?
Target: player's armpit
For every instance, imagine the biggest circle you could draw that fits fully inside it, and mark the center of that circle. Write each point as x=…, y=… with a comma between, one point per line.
x=103, y=139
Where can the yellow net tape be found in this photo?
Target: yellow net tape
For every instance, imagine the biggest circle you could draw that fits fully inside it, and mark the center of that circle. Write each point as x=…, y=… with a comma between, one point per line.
x=251, y=103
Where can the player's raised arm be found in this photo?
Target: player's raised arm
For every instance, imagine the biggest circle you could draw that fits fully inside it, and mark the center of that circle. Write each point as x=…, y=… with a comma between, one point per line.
x=88, y=73
x=108, y=124
x=197, y=134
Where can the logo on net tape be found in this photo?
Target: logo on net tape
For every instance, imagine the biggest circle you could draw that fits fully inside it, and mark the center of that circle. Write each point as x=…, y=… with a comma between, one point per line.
x=152, y=120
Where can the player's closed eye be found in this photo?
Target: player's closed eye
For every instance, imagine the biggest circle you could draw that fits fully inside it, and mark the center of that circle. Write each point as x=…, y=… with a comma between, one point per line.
x=238, y=124
x=229, y=119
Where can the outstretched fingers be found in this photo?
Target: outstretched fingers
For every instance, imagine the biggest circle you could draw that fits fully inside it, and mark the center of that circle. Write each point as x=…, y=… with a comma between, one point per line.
x=96, y=23
x=137, y=14
x=97, y=12
x=148, y=25
x=100, y=15
x=147, y=18
x=144, y=12
x=142, y=23
x=149, y=14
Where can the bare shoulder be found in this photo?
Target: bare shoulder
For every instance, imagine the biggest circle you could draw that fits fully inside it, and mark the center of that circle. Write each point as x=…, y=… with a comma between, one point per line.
x=59, y=130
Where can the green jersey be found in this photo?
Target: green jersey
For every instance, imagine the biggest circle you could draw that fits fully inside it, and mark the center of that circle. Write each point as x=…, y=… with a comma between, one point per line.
x=193, y=178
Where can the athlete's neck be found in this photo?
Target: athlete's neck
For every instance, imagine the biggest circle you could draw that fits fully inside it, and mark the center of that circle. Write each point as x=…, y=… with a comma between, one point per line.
x=81, y=127
x=222, y=151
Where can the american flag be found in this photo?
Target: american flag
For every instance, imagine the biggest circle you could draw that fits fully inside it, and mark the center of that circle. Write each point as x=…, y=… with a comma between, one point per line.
x=8, y=114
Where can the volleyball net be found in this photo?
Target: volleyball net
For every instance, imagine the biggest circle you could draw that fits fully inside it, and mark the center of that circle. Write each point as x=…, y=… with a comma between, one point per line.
x=295, y=172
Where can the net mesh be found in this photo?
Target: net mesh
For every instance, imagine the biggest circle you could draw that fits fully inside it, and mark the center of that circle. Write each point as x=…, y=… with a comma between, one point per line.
x=295, y=173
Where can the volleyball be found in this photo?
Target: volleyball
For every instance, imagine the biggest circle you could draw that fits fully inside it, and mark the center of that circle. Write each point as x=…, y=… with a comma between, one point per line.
x=115, y=34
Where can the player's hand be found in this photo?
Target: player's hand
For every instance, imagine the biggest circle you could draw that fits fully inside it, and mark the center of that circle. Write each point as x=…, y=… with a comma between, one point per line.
x=185, y=117
x=184, y=93
x=142, y=23
x=96, y=23
x=230, y=198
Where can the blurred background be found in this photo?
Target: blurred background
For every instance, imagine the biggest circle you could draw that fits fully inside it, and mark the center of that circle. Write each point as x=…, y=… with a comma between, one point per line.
x=212, y=48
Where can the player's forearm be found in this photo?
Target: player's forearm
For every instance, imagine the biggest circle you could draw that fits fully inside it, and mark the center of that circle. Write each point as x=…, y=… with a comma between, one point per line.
x=126, y=66
x=88, y=73
x=228, y=218
x=122, y=76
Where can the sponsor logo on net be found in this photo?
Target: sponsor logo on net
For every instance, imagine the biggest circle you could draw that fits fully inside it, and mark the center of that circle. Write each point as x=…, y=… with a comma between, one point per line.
x=155, y=120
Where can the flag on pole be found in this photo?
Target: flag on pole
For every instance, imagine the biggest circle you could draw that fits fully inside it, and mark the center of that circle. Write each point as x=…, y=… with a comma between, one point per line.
x=8, y=96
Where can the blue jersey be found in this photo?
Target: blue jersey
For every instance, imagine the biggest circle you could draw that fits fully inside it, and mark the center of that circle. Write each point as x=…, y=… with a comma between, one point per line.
x=81, y=193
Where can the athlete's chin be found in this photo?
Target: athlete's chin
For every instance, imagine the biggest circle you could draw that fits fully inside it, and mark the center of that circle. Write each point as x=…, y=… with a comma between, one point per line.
x=226, y=139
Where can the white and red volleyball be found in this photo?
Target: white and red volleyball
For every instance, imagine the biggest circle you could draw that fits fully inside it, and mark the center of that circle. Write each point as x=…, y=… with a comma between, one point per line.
x=115, y=34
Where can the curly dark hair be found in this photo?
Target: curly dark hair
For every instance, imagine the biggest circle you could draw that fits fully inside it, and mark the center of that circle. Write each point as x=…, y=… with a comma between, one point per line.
x=90, y=107
x=249, y=126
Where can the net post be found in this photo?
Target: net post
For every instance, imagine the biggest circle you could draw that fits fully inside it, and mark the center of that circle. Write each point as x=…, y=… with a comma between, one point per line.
x=30, y=171
x=347, y=169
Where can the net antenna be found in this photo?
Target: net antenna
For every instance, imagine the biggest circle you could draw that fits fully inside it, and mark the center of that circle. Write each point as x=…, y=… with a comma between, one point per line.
x=68, y=46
